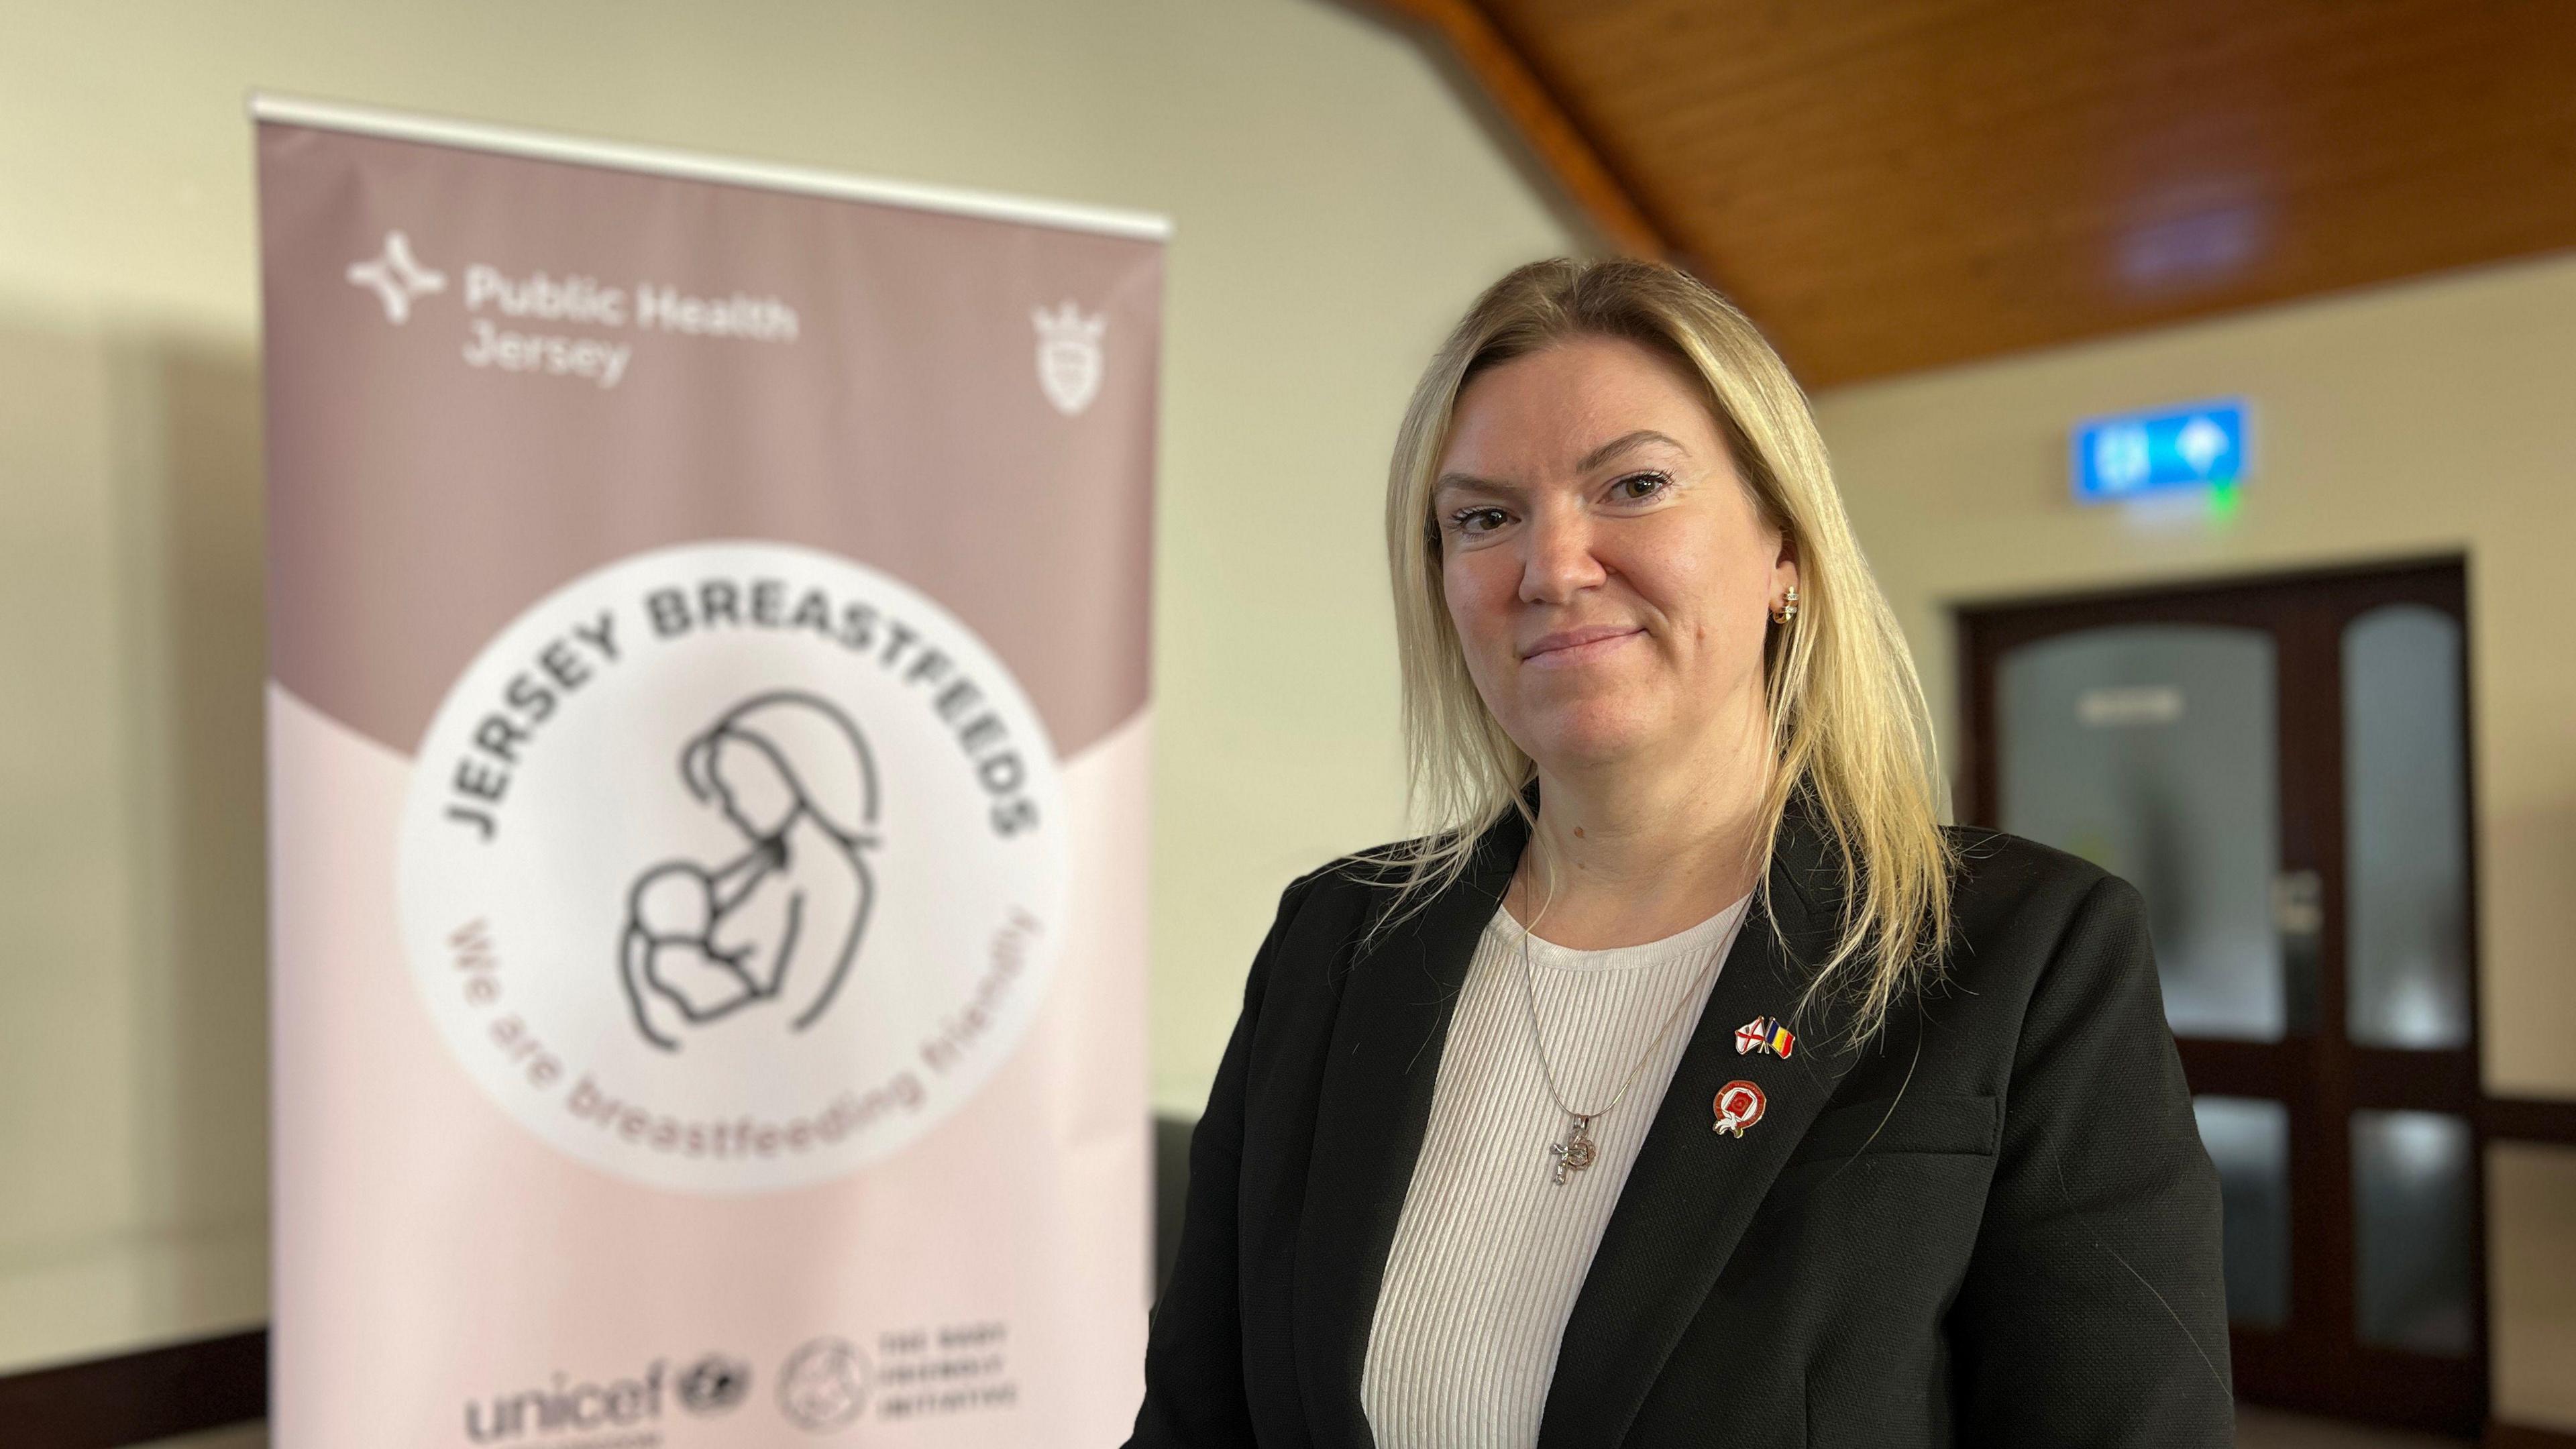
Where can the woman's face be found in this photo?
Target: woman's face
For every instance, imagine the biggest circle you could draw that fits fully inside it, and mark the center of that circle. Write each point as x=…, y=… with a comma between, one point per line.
x=1606, y=567
x=756, y=797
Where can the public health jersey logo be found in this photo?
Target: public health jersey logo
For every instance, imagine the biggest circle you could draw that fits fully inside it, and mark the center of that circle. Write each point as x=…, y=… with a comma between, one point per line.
x=396, y=277
x=1069, y=364
x=732, y=867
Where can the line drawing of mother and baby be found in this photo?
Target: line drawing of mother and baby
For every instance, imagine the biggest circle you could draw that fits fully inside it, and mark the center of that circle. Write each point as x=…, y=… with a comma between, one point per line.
x=773, y=930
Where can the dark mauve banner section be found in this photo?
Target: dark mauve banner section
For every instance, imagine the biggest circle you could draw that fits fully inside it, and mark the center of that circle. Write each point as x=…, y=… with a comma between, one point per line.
x=512, y=370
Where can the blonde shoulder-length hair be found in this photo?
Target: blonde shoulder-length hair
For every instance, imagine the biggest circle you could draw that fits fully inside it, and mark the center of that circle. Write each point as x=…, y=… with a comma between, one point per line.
x=1850, y=730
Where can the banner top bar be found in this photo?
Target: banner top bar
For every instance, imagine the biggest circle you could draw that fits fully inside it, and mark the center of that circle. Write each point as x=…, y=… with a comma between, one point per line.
x=694, y=166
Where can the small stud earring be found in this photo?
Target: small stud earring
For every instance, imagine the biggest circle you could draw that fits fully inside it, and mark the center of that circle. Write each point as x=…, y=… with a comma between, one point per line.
x=1788, y=608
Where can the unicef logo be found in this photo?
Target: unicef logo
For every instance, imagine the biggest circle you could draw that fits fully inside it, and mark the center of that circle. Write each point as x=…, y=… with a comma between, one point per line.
x=713, y=1384
x=732, y=867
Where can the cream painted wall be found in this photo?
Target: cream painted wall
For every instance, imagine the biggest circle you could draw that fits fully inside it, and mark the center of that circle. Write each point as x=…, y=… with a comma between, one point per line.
x=1336, y=206
x=2437, y=417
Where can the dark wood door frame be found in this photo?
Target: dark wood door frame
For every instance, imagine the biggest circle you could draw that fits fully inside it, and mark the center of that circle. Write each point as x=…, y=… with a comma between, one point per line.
x=2315, y=1362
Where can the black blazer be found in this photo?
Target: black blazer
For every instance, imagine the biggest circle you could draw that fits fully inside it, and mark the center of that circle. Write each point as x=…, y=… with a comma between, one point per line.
x=1992, y=1225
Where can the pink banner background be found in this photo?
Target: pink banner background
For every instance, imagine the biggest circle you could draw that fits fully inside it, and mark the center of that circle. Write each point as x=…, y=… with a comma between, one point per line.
x=435, y=1259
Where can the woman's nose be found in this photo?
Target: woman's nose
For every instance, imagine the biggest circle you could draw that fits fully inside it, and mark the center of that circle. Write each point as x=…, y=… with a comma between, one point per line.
x=1557, y=560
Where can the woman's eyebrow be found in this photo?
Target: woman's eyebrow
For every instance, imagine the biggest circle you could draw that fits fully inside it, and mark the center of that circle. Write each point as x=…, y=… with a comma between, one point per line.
x=1469, y=482
x=1623, y=443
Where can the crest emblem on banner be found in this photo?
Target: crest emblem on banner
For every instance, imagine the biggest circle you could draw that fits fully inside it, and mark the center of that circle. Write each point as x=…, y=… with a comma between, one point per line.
x=1069, y=365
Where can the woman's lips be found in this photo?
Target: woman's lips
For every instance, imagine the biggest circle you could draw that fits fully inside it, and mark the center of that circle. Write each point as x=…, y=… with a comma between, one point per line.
x=1568, y=656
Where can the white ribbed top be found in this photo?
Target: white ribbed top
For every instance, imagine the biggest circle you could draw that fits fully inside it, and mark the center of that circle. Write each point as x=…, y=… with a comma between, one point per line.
x=1489, y=1252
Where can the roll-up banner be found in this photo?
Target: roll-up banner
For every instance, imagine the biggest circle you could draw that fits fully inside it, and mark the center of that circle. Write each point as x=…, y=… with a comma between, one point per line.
x=708, y=730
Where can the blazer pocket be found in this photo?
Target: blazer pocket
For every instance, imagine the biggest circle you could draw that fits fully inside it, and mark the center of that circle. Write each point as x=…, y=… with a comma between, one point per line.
x=1958, y=1124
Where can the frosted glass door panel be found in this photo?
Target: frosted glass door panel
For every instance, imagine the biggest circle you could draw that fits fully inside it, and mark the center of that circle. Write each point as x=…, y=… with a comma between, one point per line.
x=2406, y=829
x=2411, y=1239
x=2249, y=1142
x=2151, y=751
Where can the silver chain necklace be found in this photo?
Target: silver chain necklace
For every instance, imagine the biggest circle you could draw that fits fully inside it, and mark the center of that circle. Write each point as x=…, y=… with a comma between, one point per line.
x=1578, y=1151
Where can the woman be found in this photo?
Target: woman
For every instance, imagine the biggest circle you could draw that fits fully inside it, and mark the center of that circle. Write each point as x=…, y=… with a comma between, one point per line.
x=1686, y=1081
x=778, y=927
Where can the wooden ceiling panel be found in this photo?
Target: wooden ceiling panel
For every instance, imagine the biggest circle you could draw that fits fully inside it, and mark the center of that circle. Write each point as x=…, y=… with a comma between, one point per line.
x=1897, y=184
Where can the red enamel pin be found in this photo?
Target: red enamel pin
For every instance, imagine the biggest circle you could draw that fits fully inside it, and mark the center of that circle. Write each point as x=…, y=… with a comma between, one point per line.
x=1739, y=1106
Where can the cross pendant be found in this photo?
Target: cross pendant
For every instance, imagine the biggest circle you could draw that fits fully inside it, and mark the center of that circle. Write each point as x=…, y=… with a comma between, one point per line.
x=1575, y=1153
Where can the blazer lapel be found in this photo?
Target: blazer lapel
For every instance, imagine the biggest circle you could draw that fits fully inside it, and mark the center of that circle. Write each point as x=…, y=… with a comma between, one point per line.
x=1371, y=1112
x=1692, y=1190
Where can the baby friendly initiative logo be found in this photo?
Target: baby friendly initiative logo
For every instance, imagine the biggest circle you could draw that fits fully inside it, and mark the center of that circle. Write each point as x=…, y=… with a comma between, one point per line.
x=734, y=866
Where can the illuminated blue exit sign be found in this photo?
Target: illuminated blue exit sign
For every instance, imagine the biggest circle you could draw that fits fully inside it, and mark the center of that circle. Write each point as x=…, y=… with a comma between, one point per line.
x=2131, y=454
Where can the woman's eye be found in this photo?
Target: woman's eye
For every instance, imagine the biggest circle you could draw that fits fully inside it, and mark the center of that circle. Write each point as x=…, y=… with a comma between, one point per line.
x=1465, y=520
x=1638, y=487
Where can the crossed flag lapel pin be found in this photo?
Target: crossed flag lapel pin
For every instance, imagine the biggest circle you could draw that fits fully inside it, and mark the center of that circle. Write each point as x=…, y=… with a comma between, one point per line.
x=1765, y=1034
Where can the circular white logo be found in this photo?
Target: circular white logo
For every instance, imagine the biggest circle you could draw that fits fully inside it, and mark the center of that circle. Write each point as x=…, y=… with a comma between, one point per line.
x=731, y=867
